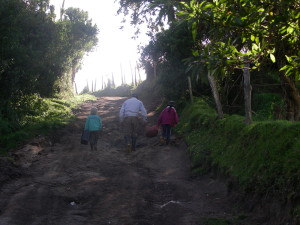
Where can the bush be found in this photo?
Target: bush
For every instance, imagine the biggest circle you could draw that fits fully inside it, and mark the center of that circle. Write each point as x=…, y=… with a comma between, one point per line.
x=266, y=105
x=37, y=115
x=123, y=91
x=263, y=158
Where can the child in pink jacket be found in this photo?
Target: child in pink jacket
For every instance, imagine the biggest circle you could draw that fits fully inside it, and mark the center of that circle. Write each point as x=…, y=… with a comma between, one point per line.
x=168, y=118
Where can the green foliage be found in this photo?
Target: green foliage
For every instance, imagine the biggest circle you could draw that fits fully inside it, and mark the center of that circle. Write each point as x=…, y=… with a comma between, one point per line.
x=168, y=50
x=153, y=12
x=265, y=104
x=39, y=56
x=41, y=116
x=223, y=221
x=5, y=127
x=85, y=90
x=245, y=25
x=191, y=118
x=123, y=91
x=223, y=36
x=81, y=98
x=296, y=212
x=217, y=221
x=264, y=157
x=26, y=34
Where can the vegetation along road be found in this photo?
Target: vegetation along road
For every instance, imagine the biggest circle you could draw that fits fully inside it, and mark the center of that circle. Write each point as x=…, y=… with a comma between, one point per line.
x=231, y=66
x=61, y=182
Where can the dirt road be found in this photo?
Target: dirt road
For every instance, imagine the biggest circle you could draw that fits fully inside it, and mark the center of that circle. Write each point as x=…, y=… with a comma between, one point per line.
x=64, y=183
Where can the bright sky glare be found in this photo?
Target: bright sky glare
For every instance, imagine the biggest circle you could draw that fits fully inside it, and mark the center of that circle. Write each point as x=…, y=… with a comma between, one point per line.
x=115, y=49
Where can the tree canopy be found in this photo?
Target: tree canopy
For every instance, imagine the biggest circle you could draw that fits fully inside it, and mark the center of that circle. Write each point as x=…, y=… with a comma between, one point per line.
x=38, y=53
x=227, y=35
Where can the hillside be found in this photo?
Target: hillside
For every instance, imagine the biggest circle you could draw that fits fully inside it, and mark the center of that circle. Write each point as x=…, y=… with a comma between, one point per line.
x=59, y=181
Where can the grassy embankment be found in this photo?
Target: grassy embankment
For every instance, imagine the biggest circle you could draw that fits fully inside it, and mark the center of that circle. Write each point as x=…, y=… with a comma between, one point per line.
x=263, y=158
x=37, y=116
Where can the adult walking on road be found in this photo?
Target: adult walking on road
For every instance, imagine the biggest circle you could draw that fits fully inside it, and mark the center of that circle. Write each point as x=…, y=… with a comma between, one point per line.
x=93, y=124
x=167, y=119
x=132, y=109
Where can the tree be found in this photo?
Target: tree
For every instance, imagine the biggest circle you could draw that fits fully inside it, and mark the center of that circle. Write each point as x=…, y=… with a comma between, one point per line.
x=26, y=35
x=152, y=12
x=78, y=37
x=113, y=81
x=39, y=56
x=169, y=48
x=263, y=28
x=258, y=30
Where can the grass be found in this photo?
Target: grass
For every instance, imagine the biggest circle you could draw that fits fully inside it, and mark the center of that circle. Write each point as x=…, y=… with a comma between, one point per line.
x=122, y=91
x=267, y=106
x=37, y=116
x=223, y=221
x=217, y=221
x=263, y=158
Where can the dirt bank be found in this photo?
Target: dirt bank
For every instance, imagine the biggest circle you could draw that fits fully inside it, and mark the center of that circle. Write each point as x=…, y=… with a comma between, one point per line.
x=61, y=182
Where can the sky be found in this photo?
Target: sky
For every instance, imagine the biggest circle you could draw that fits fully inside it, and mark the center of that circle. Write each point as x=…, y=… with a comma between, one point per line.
x=116, y=47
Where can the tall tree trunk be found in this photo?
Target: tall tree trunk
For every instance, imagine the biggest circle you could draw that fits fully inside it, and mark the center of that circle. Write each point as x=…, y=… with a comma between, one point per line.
x=132, y=80
x=87, y=85
x=113, y=80
x=216, y=95
x=122, y=78
x=291, y=97
x=289, y=89
x=73, y=77
x=75, y=85
x=190, y=89
x=138, y=69
x=155, y=70
x=135, y=79
x=132, y=74
x=247, y=92
x=62, y=10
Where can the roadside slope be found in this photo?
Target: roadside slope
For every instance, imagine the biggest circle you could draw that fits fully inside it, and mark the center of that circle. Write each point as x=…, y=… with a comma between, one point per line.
x=64, y=183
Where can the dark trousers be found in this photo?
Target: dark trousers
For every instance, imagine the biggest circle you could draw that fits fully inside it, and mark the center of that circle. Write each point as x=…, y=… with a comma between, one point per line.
x=166, y=132
x=94, y=136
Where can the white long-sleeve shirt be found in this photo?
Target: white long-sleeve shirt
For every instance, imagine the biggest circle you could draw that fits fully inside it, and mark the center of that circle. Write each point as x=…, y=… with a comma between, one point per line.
x=132, y=107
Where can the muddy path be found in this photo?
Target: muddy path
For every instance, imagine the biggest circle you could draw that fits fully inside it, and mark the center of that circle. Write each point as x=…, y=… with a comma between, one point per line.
x=61, y=182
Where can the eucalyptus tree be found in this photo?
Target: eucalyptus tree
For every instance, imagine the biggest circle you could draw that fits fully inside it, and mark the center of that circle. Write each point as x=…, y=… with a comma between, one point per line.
x=158, y=15
x=71, y=39
x=78, y=38
x=151, y=56
x=169, y=48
